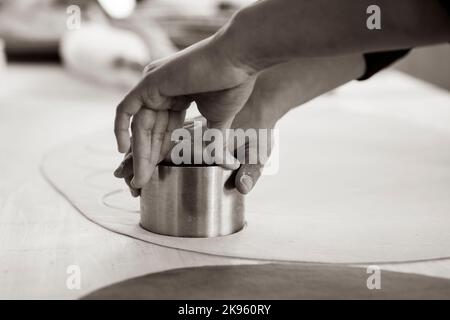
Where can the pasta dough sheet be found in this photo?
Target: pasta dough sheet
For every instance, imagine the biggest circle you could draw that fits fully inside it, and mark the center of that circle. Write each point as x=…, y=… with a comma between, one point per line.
x=352, y=187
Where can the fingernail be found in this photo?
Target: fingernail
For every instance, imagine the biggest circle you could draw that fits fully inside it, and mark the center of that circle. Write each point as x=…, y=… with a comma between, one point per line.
x=134, y=193
x=247, y=183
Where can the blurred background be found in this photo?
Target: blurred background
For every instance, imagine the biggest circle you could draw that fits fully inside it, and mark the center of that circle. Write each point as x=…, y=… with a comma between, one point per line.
x=108, y=41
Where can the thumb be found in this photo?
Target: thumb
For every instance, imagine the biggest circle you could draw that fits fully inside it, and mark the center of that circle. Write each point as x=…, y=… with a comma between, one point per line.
x=247, y=176
x=250, y=170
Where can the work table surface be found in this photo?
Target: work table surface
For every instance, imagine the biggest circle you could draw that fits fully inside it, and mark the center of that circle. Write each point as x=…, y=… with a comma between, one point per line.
x=41, y=234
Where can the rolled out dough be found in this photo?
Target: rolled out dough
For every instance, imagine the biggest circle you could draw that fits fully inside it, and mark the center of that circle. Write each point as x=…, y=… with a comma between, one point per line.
x=352, y=187
x=274, y=281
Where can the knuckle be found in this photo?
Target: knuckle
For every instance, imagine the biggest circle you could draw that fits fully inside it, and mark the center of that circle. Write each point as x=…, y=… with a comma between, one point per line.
x=159, y=136
x=143, y=120
x=122, y=107
x=118, y=130
x=139, y=157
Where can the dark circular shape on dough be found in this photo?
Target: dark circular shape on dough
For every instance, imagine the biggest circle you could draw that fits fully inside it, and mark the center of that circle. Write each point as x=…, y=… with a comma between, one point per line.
x=274, y=281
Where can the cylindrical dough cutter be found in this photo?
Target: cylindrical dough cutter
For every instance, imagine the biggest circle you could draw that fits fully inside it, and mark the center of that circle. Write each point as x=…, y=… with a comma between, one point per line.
x=192, y=201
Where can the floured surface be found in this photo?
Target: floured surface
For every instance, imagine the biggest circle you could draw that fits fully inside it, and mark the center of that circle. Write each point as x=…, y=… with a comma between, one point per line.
x=353, y=186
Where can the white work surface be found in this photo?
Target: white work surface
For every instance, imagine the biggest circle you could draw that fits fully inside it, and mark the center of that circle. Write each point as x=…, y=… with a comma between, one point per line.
x=41, y=234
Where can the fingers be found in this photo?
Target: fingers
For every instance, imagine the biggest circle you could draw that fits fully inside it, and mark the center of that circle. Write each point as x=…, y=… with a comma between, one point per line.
x=219, y=108
x=248, y=173
x=148, y=128
x=134, y=192
x=151, y=141
x=176, y=120
x=158, y=135
x=177, y=114
x=147, y=94
x=141, y=128
x=253, y=154
x=225, y=158
x=125, y=166
x=228, y=161
x=129, y=106
x=247, y=176
x=125, y=171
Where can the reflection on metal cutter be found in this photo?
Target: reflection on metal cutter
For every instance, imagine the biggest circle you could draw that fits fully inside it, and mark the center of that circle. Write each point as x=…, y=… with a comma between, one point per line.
x=192, y=201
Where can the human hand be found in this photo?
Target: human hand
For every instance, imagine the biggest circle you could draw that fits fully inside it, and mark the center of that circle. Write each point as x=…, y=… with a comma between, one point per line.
x=281, y=88
x=201, y=73
x=275, y=92
x=242, y=150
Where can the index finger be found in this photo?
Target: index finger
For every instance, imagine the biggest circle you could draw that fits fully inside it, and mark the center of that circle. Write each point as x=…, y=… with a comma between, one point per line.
x=129, y=106
x=149, y=128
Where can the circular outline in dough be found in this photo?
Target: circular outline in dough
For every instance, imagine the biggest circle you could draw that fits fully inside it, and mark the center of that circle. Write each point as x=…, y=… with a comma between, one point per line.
x=112, y=206
x=322, y=229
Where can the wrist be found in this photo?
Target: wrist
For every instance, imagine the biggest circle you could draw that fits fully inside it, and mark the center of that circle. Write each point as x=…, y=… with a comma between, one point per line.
x=238, y=43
